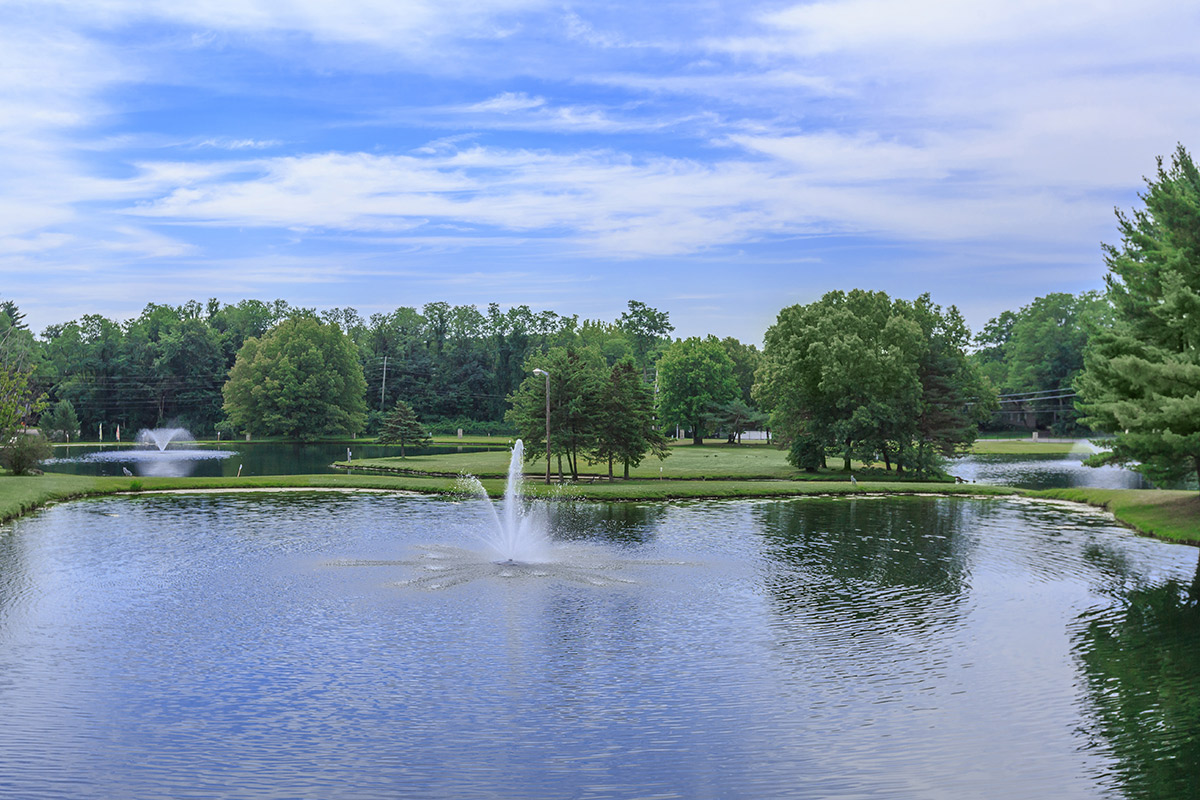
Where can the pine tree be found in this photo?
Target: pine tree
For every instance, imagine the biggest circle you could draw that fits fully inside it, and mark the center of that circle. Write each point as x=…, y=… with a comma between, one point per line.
x=402, y=428
x=1141, y=380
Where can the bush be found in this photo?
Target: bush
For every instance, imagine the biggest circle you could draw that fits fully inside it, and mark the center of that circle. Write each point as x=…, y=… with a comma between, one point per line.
x=470, y=427
x=22, y=455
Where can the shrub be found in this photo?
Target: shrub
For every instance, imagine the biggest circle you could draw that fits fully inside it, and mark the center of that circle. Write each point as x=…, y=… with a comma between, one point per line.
x=24, y=452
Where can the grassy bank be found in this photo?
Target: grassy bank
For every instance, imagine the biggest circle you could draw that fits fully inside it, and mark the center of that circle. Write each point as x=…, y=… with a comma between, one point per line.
x=1163, y=514
x=687, y=462
x=1028, y=447
x=19, y=495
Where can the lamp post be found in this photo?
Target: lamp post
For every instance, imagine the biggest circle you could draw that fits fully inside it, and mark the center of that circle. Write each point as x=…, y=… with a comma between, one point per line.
x=547, y=376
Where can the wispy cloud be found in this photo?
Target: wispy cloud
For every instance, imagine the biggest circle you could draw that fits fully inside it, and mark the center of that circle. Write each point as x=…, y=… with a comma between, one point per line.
x=431, y=138
x=239, y=144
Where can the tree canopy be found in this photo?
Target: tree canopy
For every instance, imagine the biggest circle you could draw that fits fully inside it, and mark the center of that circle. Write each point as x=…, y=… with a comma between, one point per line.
x=600, y=413
x=694, y=376
x=403, y=428
x=1141, y=380
x=864, y=376
x=302, y=381
x=1039, y=350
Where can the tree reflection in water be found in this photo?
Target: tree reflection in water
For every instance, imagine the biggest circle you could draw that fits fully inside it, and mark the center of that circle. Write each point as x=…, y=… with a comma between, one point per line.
x=1141, y=660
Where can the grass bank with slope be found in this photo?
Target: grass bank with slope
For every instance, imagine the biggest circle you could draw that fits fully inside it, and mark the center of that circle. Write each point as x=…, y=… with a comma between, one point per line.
x=1161, y=513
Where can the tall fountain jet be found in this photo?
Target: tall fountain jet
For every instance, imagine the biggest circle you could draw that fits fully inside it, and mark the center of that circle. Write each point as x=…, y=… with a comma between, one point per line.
x=519, y=532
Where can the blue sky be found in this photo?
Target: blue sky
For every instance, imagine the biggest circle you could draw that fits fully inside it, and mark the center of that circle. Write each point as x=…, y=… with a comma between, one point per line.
x=717, y=160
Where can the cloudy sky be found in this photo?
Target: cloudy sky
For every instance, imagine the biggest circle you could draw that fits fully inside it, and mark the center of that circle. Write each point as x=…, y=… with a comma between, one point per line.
x=717, y=159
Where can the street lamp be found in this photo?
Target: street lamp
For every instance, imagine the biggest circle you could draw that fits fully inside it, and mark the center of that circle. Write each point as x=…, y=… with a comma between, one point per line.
x=547, y=375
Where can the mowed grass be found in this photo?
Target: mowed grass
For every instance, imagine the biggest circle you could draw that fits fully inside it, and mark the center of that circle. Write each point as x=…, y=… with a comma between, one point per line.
x=1164, y=514
x=686, y=462
x=1028, y=447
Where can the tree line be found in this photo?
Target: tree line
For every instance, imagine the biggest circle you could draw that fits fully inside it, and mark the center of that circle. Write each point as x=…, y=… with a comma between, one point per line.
x=454, y=365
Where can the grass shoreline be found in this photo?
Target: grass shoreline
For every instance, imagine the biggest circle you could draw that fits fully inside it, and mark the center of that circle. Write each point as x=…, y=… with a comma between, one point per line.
x=1169, y=515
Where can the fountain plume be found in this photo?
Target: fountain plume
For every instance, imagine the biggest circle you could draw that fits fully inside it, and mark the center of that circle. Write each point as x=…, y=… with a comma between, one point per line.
x=517, y=532
x=162, y=437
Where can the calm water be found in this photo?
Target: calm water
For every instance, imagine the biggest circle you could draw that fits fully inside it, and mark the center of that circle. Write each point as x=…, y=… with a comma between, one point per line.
x=332, y=646
x=254, y=458
x=1043, y=472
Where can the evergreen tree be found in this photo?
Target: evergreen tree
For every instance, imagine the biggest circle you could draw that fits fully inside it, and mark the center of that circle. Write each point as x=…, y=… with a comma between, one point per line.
x=1141, y=379
x=626, y=430
x=577, y=378
x=402, y=428
x=60, y=422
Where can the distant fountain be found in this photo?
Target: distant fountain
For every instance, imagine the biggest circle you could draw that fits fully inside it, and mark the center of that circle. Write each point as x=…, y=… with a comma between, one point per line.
x=518, y=532
x=161, y=437
x=163, y=452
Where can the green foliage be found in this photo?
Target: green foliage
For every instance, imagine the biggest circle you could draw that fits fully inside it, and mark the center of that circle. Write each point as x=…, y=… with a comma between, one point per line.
x=694, y=375
x=864, y=376
x=60, y=423
x=648, y=328
x=746, y=360
x=577, y=388
x=301, y=381
x=22, y=453
x=402, y=428
x=1142, y=378
x=19, y=401
x=735, y=418
x=1040, y=348
x=625, y=429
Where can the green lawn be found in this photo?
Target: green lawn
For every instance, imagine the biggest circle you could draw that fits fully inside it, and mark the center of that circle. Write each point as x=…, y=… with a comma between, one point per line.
x=1172, y=515
x=1027, y=447
x=686, y=462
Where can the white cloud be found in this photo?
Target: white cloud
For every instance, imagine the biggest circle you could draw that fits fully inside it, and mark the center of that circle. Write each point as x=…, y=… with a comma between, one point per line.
x=240, y=144
x=507, y=103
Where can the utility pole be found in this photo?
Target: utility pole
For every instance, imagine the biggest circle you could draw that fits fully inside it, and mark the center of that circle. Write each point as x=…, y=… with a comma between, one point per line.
x=383, y=385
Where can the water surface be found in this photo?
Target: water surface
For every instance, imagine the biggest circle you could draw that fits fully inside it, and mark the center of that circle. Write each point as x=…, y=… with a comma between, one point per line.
x=323, y=646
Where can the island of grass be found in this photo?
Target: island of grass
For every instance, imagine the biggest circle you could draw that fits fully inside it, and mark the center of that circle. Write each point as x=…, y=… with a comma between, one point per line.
x=712, y=461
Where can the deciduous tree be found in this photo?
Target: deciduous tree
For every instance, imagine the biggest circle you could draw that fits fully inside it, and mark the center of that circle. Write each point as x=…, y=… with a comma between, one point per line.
x=693, y=376
x=301, y=381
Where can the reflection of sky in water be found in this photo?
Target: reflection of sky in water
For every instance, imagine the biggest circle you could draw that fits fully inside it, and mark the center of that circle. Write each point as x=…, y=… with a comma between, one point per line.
x=1043, y=472
x=368, y=646
x=169, y=463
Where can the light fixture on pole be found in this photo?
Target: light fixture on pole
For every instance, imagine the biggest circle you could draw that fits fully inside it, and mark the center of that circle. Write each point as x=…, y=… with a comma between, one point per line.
x=547, y=375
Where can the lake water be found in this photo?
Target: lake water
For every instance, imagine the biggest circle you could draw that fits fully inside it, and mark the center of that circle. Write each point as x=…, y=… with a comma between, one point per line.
x=225, y=459
x=1044, y=472
x=338, y=646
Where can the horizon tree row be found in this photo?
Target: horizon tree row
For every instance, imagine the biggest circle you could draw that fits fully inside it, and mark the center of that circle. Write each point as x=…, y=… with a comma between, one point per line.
x=455, y=365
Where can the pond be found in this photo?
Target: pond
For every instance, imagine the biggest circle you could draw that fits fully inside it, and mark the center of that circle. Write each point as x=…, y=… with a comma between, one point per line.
x=225, y=459
x=363, y=646
x=1044, y=472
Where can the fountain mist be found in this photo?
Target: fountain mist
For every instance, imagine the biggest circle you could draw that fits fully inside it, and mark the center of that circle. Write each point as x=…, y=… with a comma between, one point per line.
x=161, y=437
x=518, y=532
